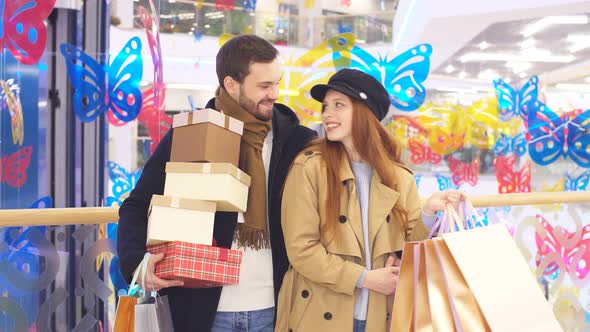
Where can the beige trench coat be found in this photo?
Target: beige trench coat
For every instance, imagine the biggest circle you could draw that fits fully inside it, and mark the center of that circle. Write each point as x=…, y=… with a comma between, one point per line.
x=319, y=289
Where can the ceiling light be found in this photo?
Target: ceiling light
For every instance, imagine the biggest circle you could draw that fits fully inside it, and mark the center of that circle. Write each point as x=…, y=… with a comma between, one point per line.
x=449, y=69
x=573, y=87
x=527, y=43
x=522, y=75
x=543, y=23
x=579, y=42
x=507, y=80
x=535, y=57
x=483, y=45
x=462, y=74
x=518, y=66
x=487, y=74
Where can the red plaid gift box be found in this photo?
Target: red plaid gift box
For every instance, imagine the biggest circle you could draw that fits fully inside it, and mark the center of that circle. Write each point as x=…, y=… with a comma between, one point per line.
x=199, y=266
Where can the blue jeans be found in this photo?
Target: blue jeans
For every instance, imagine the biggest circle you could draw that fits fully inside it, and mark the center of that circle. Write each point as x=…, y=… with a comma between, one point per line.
x=245, y=321
x=359, y=325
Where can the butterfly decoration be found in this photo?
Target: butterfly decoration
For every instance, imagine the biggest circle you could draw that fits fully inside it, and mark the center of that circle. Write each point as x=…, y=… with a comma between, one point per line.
x=309, y=4
x=510, y=145
x=451, y=126
x=224, y=4
x=154, y=118
x=22, y=28
x=123, y=182
x=421, y=153
x=22, y=250
x=152, y=29
x=445, y=182
x=553, y=136
x=572, y=248
x=10, y=96
x=249, y=5
x=406, y=127
x=509, y=180
x=346, y=3
x=152, y=114
x=198, y=36
x=401, y=76
x=513, y=102
x=418, y=178
x=13, y=168
x=577, y=183
x=99, y=89
x=555, y=187
x=464, y=173
x=344, y=28
x=313, y=67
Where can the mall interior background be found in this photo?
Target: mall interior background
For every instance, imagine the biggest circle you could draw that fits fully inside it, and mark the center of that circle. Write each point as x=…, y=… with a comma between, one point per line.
x=458, y=72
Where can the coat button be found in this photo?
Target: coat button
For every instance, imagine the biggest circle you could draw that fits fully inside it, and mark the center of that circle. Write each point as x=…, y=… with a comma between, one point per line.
x=342, y=219
x=305, y=294
x=388, y=218
x=308, y=153
x=327, y=316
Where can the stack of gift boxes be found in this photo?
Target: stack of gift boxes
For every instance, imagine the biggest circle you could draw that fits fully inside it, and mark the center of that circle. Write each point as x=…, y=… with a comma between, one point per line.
x=202, y=177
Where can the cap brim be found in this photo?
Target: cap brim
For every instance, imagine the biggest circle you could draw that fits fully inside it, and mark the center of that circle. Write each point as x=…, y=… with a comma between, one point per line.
x=318, y=92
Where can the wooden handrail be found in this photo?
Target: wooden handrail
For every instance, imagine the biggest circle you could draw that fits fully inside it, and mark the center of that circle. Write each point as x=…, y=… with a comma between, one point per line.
x=101, y=215
x=58, y=216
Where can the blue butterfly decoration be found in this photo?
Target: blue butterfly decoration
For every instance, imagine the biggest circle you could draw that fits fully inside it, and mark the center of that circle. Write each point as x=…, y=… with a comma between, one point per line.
x=577, y=183
x=445, y=182
x=344, y=28
x=506, y=145
x=123, y=183
x=401, y=76
x=553, y=136
x=99, y=88
x=249, y=5
x=198, y=35
x=513, y=102
x=417, y=177
x=22, y=252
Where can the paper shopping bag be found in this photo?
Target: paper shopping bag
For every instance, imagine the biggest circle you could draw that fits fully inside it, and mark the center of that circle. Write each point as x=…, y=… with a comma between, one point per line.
x=465, y=314
x=500, y=280
x=153, y=315
x=125, y=315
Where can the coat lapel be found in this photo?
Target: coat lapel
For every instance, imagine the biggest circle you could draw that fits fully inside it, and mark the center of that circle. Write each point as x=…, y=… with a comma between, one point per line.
x=381, y=202
x=349, y=202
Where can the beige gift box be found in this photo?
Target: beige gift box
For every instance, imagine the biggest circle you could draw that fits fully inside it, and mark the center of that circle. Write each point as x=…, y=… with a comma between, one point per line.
x=206, y=136
x=180, y=219
x=222, y=183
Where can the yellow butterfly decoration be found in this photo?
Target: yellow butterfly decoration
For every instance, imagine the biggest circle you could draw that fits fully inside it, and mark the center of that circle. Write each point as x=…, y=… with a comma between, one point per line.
x=405, y=127
x=441, y=122
x=313, y=67
x=308, y=4
x=452, y=126
x=15, y=110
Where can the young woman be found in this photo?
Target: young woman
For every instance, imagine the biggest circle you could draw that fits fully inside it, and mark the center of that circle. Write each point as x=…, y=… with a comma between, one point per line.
x=349, y=204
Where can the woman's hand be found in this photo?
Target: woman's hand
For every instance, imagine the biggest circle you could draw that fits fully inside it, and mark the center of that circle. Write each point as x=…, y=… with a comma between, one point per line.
x=440, y=200
x=383, y=280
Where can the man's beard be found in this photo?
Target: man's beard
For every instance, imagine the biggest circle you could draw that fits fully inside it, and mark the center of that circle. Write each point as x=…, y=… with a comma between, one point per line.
x=252, y=108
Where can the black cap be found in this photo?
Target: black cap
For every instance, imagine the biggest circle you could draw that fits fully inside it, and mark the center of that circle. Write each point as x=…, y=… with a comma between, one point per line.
x=357, y=85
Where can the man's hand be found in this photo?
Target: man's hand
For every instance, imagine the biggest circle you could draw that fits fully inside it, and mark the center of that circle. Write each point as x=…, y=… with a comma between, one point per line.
x=152, y=282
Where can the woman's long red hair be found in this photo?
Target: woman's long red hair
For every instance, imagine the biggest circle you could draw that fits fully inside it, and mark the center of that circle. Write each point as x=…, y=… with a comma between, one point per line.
x=375, y=145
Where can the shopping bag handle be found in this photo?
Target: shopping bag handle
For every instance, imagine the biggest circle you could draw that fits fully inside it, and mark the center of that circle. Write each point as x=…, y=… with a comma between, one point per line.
x=142, y=268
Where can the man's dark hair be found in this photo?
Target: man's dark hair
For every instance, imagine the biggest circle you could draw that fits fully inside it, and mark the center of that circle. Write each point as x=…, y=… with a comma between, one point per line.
x=235, y=56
